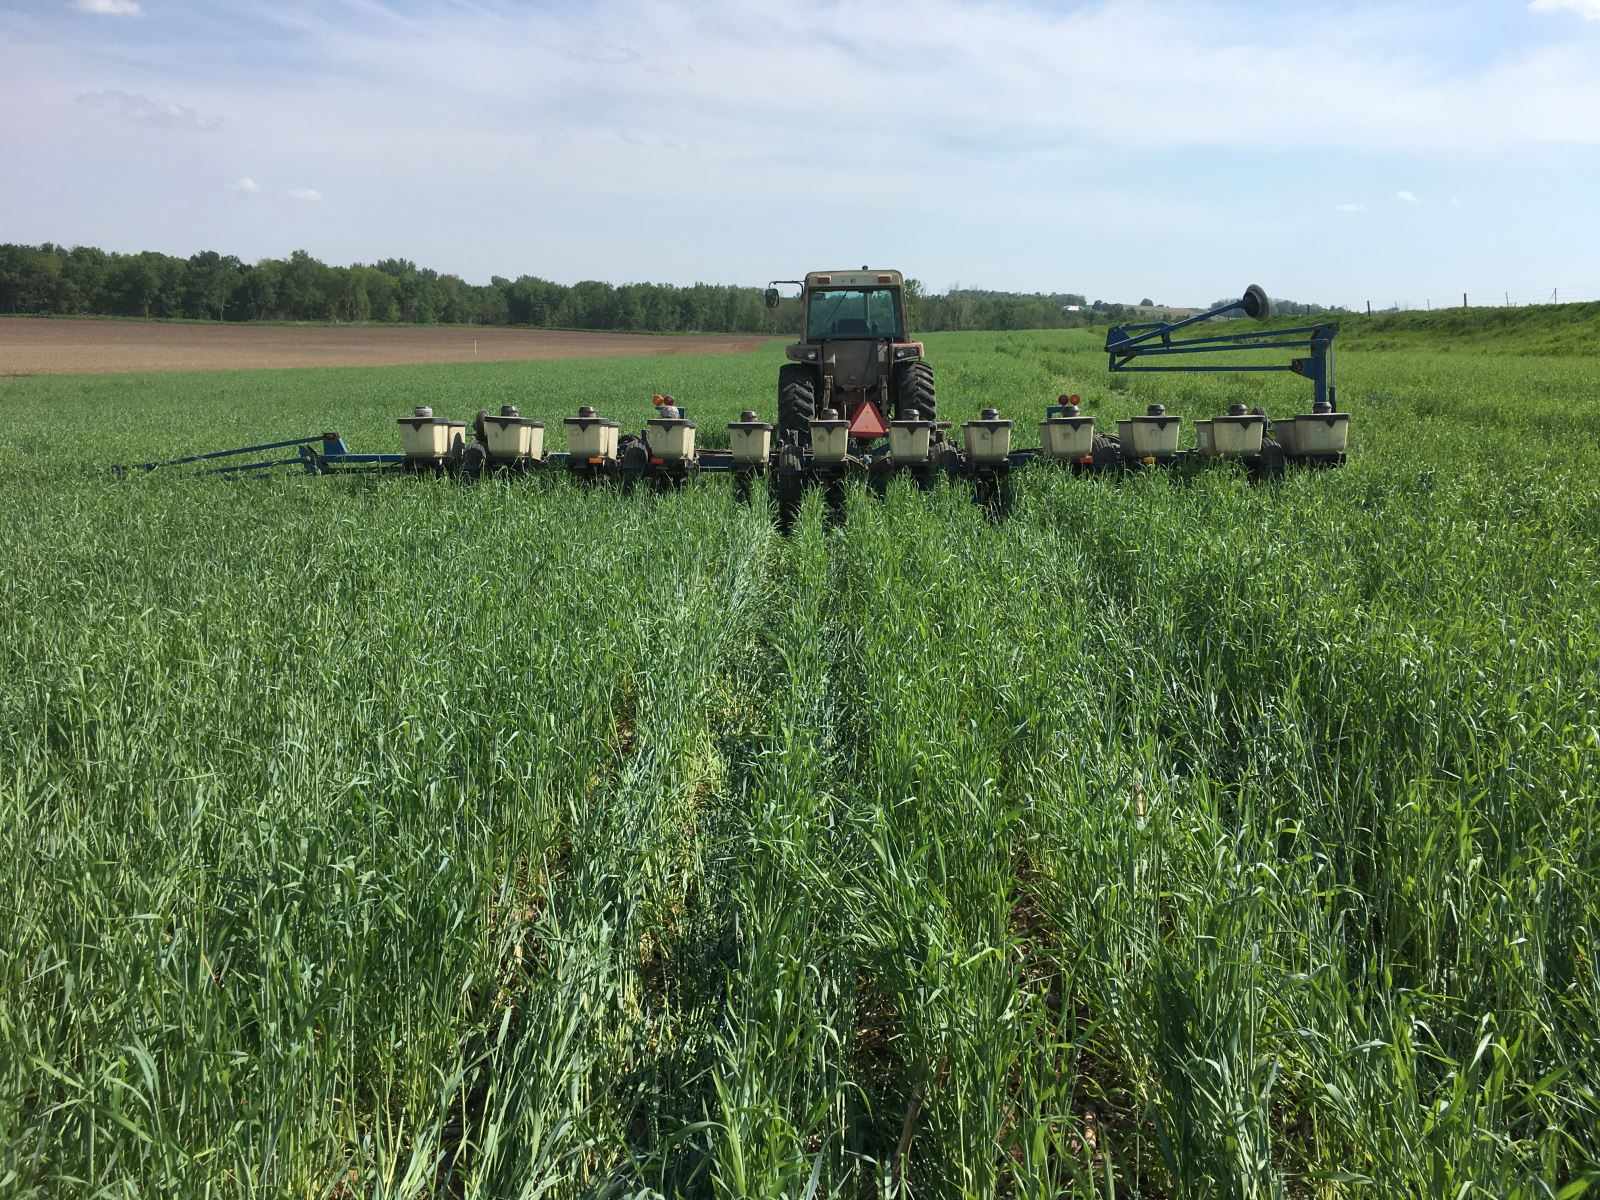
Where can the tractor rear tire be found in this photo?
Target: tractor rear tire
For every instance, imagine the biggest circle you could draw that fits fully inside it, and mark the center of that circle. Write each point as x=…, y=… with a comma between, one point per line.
x=797, y=402
x=914, y=398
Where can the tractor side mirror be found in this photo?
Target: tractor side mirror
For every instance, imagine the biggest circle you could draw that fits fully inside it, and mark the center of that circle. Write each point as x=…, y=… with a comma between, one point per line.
x=772, y=297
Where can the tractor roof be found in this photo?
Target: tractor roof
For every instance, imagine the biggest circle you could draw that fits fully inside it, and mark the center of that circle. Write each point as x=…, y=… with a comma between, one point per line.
x=865, y=277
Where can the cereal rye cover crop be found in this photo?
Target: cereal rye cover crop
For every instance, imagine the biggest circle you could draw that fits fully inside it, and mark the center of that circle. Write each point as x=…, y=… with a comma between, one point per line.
x=1170, y=838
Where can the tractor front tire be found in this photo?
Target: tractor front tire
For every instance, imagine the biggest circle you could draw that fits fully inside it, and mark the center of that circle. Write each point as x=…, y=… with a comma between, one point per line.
x=789, y=486
x=797, y=402
x=914, y=398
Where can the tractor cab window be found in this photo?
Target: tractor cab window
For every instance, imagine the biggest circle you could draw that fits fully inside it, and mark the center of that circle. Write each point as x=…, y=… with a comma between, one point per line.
x=853, y=313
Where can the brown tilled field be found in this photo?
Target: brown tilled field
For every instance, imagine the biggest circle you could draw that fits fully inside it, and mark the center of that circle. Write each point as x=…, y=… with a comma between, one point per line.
x=31, y=346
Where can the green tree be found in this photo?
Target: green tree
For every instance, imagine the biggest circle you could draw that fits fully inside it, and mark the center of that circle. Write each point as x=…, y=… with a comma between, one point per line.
x=135, y=285
x=384, y=292
x=83, y=281
x=304, y=294
x=913, y=301
x=30, y=277
x=354, y=302
x=490, y=304
x=256, y=296
x=209, y=280
x=419, y=297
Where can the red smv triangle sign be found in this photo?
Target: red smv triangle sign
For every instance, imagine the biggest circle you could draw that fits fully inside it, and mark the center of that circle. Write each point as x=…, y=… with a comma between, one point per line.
x=867, y=422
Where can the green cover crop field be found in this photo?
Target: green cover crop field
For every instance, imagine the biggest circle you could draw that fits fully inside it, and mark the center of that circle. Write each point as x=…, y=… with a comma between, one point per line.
x=393, y=837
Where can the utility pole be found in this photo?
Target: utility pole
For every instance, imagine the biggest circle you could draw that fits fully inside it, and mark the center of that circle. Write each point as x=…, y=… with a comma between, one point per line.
x=1369, y=308
x=1463, y=299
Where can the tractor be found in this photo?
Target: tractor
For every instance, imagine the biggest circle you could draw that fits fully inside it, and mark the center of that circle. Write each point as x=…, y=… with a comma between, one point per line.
x=854, y=353
x=853, y=370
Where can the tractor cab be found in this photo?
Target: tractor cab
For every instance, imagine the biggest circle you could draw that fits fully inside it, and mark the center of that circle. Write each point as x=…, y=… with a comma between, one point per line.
x=873, y=313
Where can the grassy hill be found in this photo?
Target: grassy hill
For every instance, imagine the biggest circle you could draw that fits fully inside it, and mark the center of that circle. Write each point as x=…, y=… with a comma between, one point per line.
x=1562, y=329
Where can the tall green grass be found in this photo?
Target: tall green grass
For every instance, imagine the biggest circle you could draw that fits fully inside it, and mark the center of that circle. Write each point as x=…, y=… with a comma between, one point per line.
x=389, y=837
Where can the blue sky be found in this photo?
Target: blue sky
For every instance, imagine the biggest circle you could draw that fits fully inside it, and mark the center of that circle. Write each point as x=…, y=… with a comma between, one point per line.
x=1334, y=152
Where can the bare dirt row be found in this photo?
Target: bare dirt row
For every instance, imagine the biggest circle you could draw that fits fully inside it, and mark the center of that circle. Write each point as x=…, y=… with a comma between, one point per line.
x=31, y=346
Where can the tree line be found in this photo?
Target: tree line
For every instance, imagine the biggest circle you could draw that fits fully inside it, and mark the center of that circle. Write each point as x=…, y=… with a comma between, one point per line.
x=52, y=280
x=84, y=280
x=1289, y=308
x=968, y=308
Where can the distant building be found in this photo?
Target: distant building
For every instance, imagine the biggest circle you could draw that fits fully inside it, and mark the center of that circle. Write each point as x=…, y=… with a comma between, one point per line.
x=1072, y=308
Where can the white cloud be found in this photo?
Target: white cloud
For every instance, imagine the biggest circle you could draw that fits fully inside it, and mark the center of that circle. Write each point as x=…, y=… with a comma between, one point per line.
x=108, y=8
x=1589, y=10
x=1408, y=197
x=147, y=111
x=1349, y=208
x=303, y=194
x=244, y=184
x=638, y=126
x=997, y=81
